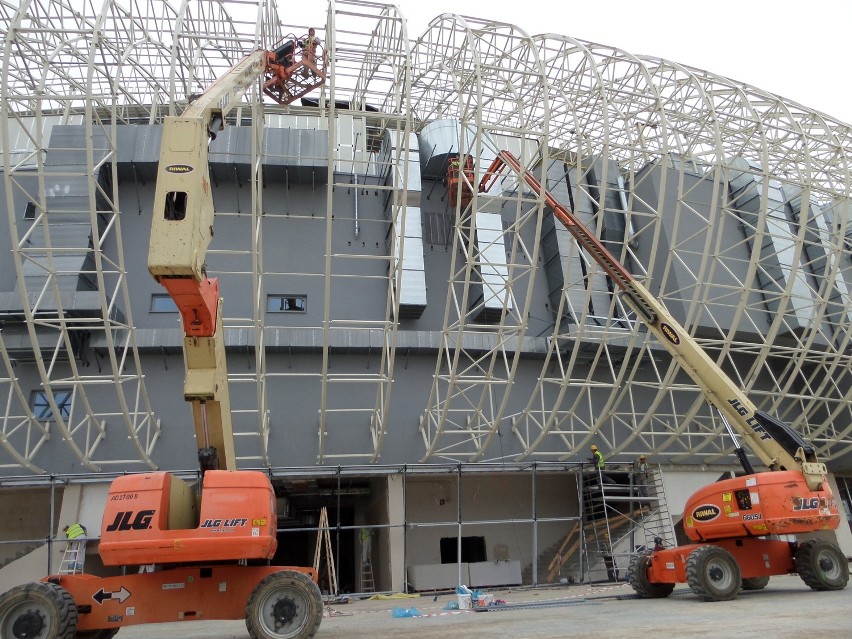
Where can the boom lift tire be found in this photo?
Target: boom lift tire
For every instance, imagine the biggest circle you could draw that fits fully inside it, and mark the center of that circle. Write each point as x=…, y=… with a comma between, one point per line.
x=713, y=573
x=284, y=605
x=755, y=583
x=822, y=565
x=38, y=610
x=637, y=577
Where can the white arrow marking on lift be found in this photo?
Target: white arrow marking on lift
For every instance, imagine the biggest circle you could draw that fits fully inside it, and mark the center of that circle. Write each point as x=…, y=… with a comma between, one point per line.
x=102, y=595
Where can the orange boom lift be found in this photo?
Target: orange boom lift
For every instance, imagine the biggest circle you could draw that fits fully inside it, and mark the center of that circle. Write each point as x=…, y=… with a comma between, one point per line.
x=731, y=521
x=187, y=557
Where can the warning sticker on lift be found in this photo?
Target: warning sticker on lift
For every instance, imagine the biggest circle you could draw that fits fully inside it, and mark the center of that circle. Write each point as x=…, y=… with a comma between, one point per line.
x=178, y=586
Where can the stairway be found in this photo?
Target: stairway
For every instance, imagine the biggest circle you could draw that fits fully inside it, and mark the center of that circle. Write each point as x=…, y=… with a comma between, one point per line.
x=619, y=515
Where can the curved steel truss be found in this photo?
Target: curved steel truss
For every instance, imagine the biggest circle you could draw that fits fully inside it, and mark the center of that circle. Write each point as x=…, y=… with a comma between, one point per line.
x=680, y=156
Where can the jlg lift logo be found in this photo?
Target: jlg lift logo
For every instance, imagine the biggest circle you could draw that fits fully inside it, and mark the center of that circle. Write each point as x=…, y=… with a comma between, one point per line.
x=224, y=523
x=812, y=503
x=751, y=421
x=142, y=520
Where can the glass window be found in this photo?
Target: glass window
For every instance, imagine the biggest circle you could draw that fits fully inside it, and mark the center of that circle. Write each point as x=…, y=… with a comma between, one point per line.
x=41, y=406
x=163, y=303
x=286, y=303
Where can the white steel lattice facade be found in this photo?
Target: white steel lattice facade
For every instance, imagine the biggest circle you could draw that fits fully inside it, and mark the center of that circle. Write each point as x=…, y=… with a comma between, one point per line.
x=730, y=203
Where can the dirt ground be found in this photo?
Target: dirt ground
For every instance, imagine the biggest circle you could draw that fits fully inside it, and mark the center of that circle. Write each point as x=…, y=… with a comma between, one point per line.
x=785, y=609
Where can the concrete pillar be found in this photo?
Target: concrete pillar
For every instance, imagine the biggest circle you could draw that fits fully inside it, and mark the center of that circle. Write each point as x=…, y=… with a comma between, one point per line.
x=396, y=533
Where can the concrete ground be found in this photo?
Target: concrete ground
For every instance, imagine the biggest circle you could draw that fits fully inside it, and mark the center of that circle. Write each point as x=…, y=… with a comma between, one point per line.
x=785, y=609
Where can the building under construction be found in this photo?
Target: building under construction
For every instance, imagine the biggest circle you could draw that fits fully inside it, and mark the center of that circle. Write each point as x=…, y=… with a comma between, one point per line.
x=406, y=355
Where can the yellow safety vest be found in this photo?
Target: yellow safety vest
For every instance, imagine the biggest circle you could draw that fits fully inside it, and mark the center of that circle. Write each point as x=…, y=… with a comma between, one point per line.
x=74, y=531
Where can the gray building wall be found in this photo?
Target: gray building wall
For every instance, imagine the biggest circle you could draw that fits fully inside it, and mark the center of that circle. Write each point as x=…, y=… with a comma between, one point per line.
x=294, y=253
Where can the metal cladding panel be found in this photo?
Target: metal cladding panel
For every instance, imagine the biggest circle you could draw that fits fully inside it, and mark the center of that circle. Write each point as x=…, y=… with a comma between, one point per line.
x=125, y=143
x=819, y=239
x=412, y=258
x=351, y=154
x=231, y=146
x=23, y=131
x=492, y=295
x=302, y=152
x=299, y=155
x=148, y=141
x=67, y=234
x=67, y=194
x=614, y=200
x=441, y=138
x=776, y=246
x=140, y=159
x=412, y=293
x=66, y=267
x=393, y=144
x=69, y=143
x=569, y=270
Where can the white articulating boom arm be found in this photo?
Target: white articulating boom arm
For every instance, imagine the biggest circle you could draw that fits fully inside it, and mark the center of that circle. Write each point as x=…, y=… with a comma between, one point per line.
x=777, y=445
x=182, y=228
x=181, y=231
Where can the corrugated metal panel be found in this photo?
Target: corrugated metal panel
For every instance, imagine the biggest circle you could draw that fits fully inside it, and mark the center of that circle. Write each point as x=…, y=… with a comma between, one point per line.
x=412, y=293
x=392, y=145
x=777, y=245
x=442, y=138
x=819, y=257
x=299, y=154
x=491, y=296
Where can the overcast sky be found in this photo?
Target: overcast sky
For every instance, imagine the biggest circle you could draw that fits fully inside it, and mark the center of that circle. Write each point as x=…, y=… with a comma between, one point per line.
x=801, y=51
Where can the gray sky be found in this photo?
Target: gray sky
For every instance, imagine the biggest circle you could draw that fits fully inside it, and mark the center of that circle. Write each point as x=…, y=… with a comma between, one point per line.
x=801, y=51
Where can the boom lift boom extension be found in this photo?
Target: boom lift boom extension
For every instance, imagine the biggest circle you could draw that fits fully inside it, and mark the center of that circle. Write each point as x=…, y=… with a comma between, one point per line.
x=182, y=229
x=777, y=445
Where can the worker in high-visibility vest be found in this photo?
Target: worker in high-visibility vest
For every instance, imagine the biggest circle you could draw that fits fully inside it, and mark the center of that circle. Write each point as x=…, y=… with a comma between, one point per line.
x=366, y=538
x=76, y=535
x=74, y=530
x=309, y=48
x=597, y=458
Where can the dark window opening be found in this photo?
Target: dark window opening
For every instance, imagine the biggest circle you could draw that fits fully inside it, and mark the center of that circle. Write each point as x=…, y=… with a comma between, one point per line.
x=163, y=303
x=175, y=209
x=472, y=549
x=286, y=303
x=29, y=212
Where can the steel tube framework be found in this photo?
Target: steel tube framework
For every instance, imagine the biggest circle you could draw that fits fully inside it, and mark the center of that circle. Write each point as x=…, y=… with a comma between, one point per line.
x=552, y=101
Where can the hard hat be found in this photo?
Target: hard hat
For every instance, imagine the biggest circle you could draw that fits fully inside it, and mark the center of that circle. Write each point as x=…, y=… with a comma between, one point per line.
x=641, y=456
x=594, y=447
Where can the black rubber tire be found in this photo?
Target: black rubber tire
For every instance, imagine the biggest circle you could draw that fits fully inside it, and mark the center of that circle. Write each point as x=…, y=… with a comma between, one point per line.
x=38, y=610
x=285, y=605
x=637, y=577
x=713, y=573
x=822, y=565
x=755, y=583
x=107, y=633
